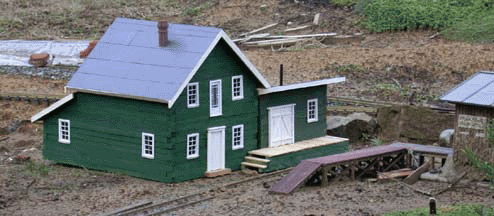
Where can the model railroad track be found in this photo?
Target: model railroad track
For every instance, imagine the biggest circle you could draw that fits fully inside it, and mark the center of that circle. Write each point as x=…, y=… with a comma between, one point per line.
x=167, y=206
x=31, y=98
x=339, y=104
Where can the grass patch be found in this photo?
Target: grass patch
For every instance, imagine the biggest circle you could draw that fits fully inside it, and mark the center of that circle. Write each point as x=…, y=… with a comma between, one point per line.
x=479, y=29
x=37, y=169
x=460, y=210
x=196, y=10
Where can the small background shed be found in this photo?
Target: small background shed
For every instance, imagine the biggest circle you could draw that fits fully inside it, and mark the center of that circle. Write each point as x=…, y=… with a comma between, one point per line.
x=474, y=100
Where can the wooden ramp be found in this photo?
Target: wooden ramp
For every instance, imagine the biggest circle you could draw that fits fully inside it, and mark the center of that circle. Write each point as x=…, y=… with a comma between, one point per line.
x=296, y=177
x=307, y=168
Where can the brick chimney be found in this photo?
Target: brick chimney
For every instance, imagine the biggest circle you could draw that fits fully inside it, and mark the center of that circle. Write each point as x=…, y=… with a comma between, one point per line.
x=163, y=31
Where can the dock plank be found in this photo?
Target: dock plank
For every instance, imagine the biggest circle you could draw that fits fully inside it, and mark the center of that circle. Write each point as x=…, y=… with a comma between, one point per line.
x=299, y=146
x=358, y=154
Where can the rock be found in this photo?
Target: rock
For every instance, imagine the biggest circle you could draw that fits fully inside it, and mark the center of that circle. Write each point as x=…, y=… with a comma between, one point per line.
x=446, y=137
x=351, y=126
x=21, y=159
x=448, y=170
x=4, y=131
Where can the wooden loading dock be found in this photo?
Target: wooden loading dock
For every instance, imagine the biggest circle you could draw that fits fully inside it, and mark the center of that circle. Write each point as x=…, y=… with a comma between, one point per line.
x=356, y=164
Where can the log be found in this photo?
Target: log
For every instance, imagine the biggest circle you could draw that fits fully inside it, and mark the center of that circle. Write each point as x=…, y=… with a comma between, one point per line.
x=414, y=177
x=260, y=29
x=316, y=19
x=394, y=174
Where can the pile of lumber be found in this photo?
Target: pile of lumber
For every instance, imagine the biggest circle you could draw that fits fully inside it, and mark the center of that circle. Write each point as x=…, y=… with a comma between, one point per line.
x=257, y=39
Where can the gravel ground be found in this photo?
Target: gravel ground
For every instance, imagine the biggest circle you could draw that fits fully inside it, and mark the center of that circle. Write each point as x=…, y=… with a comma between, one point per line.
x=55, y=73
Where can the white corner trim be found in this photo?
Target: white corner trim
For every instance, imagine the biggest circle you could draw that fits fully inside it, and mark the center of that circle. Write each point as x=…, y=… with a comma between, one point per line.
x=213, y=44
x=52, y=107
x=301, y=85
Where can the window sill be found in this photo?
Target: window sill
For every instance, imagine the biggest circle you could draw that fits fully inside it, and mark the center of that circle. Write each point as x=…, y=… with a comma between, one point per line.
x=148, y=156
x=64, y=141
x=192, y=106
x=192, y=157
x=312, y=121
x=237, y=98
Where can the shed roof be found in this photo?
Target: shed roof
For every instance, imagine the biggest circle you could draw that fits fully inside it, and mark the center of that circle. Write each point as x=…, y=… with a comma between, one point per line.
x=128, y=61
x=477, y=90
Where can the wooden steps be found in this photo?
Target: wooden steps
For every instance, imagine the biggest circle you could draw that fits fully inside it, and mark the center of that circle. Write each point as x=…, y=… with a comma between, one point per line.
x=252, y=162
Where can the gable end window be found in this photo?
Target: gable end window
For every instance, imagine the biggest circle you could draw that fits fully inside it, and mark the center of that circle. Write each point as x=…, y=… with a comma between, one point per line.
x=237, y=87
x=64, y=131
x=192, y=95
x=193, y=146
x=312, y=110
x=148, y=145
x=237, y=137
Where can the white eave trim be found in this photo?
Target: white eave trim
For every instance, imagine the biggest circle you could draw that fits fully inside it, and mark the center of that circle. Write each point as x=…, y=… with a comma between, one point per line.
x=115, y=94
x=301, y=85
x=52, y=107
x=213, y=44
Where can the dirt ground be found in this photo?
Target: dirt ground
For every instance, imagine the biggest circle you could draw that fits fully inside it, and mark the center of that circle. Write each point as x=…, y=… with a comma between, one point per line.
x=386, y=66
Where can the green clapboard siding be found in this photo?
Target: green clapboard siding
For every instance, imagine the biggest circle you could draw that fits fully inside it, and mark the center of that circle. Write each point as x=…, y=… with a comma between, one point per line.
x=303, y=130
x=222, y=64
x=293, y=159
x=106, y=134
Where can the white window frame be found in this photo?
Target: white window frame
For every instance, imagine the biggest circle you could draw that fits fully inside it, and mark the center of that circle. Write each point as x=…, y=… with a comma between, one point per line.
x=61, y=139
x=316, y=117
x=196, y=154
x=196, y=104
x=241, y=145
x=215, y=111
x=144, y=144
x=240, y=88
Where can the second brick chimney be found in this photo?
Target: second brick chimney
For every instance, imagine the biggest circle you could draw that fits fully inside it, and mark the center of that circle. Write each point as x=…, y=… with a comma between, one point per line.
x=163, y=32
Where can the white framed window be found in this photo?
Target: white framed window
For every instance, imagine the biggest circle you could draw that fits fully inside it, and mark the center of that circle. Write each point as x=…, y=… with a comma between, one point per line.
x=238, y=137
x=64, y=131
x=215, y=98
x=192, y=95
x=237, y=87
x=312, y=110
x=193, y=146
x=148, y=145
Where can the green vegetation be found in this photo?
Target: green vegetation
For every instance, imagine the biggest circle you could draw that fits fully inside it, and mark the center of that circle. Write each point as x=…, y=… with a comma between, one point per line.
x=480, y=164
x=490, y=132
x=37, y=169
x=196, y=10
x=459, y=210
x=348, y=68
x=344, y=3
x=467, y=20
x=478, y=30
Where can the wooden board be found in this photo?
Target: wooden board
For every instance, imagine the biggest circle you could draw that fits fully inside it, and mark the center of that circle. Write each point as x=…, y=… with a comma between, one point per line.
x=299, y=146
x=295, y=178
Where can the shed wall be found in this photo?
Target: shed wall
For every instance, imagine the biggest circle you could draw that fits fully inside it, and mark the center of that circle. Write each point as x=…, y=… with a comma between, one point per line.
x=470, y=131
x=303, y=130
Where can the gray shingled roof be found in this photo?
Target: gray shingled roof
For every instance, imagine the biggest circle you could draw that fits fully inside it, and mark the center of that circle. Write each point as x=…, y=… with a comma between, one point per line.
x=128, y=61
x=477, y=90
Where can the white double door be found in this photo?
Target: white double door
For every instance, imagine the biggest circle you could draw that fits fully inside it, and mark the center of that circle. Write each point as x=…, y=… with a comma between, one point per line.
x=216, y=148
x=281, y=125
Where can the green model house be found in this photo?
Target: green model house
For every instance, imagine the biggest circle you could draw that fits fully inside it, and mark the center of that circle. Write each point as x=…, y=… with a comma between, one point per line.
x=171, y=102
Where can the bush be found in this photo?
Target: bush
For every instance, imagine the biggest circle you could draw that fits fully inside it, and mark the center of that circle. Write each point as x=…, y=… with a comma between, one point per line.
x=383, y=15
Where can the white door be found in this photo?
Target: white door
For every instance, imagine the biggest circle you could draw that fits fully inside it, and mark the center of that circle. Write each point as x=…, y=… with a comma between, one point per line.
x=216, y=148
x=215, y=106
x=281, y=125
